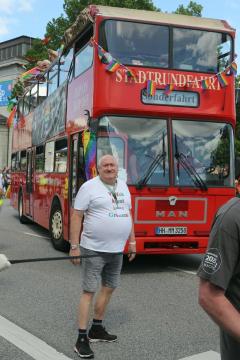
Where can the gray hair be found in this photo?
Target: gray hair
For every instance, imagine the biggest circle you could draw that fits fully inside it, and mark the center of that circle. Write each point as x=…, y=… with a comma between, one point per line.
x=99, y=162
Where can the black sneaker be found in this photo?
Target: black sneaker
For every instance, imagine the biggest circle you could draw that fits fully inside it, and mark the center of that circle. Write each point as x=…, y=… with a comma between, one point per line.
x=98, y=333
x=83, y=349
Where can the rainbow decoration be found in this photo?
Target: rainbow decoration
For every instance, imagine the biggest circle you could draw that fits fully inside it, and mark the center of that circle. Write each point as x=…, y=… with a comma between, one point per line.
x=168, y=89
x=113, y=66
x=151, y=88
x=205, y=84
x=89, y=149
x=11, y=116
x=30, y=73
x=222, y=79
x=233, y=68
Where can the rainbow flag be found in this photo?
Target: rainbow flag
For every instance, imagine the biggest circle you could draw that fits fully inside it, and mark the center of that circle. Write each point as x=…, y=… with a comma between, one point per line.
x=30, y=73
x=233, y=68
x=89, y=150
x=205, y=84
x=104, y=56
x=113, y=66
x=11, y=116
x=222, y=79
x=151, y=88
x=168, y=89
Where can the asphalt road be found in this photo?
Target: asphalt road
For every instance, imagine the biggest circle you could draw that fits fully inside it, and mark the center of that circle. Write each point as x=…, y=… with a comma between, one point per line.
x=154, y=312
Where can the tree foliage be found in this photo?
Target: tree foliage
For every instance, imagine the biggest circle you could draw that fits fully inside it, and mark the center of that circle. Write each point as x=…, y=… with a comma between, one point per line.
x=192, y=9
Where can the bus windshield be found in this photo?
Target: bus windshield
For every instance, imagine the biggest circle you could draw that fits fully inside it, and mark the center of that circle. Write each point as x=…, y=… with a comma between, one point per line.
x=131, y=43
x=202, y=153
x=140, y=145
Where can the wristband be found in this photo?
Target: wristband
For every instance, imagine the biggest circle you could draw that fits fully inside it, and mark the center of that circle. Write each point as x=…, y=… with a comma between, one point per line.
x=132, y=242
x=74, y=246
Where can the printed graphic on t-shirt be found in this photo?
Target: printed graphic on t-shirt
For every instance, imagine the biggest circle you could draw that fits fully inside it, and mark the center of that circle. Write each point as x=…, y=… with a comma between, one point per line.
x=119, y=204
x=212, y=261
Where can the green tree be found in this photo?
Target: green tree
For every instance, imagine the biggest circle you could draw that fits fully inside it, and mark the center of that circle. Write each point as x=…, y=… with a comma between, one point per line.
x=192, y=9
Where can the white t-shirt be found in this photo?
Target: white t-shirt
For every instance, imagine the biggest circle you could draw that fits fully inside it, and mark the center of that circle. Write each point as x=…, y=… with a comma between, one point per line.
x=107, y=223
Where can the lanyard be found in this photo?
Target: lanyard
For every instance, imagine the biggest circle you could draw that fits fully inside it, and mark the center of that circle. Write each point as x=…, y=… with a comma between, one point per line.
x=111, y=189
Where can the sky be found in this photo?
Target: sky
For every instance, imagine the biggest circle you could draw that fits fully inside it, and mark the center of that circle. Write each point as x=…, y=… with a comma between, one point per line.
x=30, y=17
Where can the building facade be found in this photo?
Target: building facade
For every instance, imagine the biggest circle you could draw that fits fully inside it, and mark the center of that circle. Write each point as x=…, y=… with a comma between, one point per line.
x=12, y=54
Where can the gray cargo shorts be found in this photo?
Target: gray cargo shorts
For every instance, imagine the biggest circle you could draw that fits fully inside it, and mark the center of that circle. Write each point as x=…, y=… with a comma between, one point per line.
x=104, y=268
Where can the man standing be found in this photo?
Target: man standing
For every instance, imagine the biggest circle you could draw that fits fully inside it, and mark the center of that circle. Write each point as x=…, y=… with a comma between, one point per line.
x=219, y=290
x=105, y=203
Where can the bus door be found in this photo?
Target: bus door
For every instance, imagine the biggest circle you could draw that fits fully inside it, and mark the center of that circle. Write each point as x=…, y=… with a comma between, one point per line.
x=77, y=172
x=29, y=184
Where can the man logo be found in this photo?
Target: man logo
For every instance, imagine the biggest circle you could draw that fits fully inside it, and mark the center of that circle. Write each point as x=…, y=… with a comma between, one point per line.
x=172, y=200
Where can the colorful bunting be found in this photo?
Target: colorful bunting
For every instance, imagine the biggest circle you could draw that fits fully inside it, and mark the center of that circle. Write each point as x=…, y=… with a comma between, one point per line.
x=168, y=89
x=205, y=84
x=151, y=88
x=113, y=66
x=222, y=79
x=30, y=73
x=89, y=149
x=233, y=68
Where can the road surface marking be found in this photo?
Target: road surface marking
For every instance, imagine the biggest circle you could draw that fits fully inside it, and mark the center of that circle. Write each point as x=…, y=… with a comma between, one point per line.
x=32, y=234
x=209, y=355
x=28, y=343
x=182, y=270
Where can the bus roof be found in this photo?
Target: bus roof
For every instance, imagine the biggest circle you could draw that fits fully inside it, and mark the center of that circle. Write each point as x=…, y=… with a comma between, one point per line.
x=164, y=18
x=89, y=14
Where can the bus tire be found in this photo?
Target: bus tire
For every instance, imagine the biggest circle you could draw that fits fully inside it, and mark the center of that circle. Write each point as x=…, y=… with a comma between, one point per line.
x=23, y=219
x=56, y=229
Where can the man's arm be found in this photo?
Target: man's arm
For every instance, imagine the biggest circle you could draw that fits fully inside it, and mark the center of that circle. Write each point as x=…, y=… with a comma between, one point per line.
x=131, y=243
x=213, y=300
x=75, y=229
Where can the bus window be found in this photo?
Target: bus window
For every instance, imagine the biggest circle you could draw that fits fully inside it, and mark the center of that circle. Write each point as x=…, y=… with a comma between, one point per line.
x=65, y=66
x=131, y=42
x=83, y=59
x=61, y=155
x=199, y=50
x=53, y=78
x=39, y=161
x=49, y=156
x=23, y=160
x=26, y=103
x=42, y=92
x=33, y=97
x=17, y=167
x=224, y=53
x=13, y=161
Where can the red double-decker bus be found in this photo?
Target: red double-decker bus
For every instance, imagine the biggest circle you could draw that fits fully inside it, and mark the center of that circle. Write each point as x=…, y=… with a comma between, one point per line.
x=155, y=90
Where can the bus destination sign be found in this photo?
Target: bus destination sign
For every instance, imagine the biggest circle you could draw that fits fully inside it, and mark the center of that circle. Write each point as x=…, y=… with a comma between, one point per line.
x=175, y=98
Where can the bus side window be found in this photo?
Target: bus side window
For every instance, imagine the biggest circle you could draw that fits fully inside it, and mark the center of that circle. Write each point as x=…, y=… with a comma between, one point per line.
x=42, y=92
x=65, y=66
x=61, y=156
x=83, y=50
x=17, y=166
x=26, y=103
x=33, y=98
x=23, y=160
x=39, y=159
x=53, y=78
x=49, y=157
x=13, y=162
x=83, y=60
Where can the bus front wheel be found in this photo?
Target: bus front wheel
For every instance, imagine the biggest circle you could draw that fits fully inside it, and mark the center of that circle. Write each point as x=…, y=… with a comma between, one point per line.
x=56, y=229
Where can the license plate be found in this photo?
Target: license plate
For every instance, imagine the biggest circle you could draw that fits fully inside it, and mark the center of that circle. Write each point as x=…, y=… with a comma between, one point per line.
x=170, y=230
